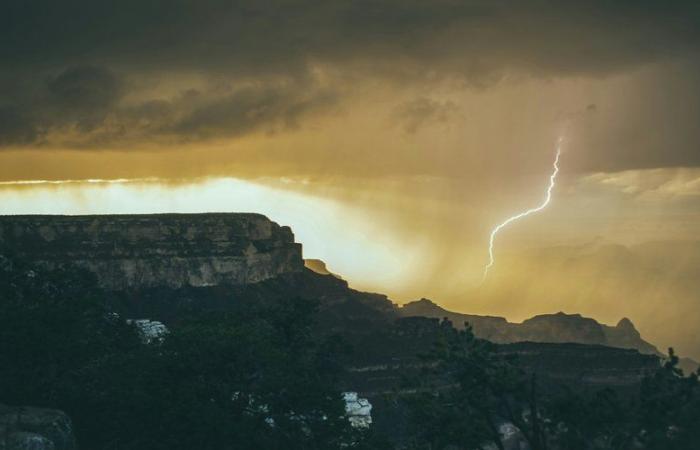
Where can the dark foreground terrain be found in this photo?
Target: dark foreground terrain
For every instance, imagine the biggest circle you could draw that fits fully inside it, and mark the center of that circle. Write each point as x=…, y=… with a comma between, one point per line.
x=208, y=331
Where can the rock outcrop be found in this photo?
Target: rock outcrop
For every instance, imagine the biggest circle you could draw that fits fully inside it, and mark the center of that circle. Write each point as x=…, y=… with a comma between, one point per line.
x=27, y=428
x=150, y=331
x=318, y=266
x=172, y=250
x=552, y=328
x=625, y=335
x=485, y=327
x=358, y=410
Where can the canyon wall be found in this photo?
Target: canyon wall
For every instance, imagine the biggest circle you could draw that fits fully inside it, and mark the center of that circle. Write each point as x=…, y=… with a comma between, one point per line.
x=167, y=267
x=172, y=250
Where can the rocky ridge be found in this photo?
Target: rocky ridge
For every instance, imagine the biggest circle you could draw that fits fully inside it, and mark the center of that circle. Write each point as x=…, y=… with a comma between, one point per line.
x=142, y=251
x=165, y=267
x=550, y=328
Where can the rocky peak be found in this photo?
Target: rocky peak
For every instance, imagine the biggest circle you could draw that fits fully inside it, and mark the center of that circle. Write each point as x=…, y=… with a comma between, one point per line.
x=421, y=307
x=424, y=302
x=562, y=327
x=319, y=266
x=556, y=328
x=625, y=335
x=626, y=324
x=487, y=327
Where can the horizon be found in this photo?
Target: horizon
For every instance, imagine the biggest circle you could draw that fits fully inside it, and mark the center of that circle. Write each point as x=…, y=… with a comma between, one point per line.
x=344, y=238
x=393, y=137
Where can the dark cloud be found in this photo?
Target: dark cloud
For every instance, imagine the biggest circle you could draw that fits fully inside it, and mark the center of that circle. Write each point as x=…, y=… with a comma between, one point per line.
x=83, y=95
x=77, y=97
x=84, y=103
x=84, y=88
x=16, y=127
x=413, y=115
x=195, y=115
x=249, y=109
x=59, y=60
x=247, y=35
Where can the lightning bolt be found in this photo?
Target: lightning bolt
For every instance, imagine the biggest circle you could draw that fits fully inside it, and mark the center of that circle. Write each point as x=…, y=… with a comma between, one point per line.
x=508, y=221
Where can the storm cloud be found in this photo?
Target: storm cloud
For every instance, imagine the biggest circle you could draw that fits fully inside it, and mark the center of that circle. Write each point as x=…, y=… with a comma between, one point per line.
x=85, y=74
x=281, y=36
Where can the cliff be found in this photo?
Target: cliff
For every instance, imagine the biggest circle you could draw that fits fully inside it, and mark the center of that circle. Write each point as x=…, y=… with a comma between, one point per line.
x=551, y=328
x=393, y=359
x=141, y=251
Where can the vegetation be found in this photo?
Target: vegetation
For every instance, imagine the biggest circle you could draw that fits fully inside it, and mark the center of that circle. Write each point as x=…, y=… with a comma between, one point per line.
x=264, y=379
x=248, y=380
x=486, y=390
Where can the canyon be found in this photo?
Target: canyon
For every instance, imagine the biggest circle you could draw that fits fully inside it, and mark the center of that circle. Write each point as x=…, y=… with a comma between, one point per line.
x=162, y=267
x=158, y=270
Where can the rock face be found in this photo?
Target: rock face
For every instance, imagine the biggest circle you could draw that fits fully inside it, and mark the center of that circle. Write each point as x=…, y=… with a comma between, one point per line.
x=486, y=327
x=358, y=410
x=552, y=328
x=582, y=365
x=511, y=439
x=391, y=357
x=318, y=266
x=150, y=331
x=172, y=250
x=624, y=335
x=26, y=428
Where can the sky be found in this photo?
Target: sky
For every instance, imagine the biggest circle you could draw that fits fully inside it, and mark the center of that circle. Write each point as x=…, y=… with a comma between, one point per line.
x=392, y=135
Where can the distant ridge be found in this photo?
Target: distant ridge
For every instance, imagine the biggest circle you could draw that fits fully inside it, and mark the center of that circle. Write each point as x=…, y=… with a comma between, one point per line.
x=555, y=328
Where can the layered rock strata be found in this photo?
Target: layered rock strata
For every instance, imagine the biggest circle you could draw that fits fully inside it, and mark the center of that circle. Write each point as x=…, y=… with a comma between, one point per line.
x=171, y=250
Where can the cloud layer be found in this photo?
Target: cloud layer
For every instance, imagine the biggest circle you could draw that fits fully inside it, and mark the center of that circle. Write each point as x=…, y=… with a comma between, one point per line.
x=128, y=75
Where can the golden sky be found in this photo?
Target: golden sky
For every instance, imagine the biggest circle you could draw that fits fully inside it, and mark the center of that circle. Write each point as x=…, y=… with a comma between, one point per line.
x=391, y=135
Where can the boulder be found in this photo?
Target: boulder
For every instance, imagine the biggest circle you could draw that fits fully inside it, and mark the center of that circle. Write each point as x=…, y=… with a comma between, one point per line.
x=29, y=428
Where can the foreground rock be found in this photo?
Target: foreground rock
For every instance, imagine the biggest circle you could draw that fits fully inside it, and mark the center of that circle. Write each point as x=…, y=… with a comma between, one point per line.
x=150, y=331
x=358, y=410
x=27, y=428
